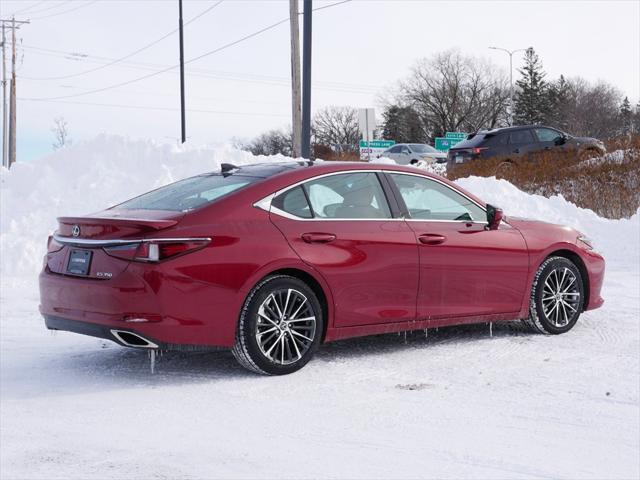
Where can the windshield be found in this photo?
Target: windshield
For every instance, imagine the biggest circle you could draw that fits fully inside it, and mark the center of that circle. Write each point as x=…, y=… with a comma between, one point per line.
x=189, y=194
x=421, y=148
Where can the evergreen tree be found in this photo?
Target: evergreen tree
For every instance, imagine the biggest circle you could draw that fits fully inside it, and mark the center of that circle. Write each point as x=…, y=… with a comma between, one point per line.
x=626, y=116
x=532, y=99
x=403, y=125
x=560, y=101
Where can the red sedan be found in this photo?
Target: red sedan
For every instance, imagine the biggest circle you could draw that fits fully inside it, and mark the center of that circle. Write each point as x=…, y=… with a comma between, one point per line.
x=271, y=260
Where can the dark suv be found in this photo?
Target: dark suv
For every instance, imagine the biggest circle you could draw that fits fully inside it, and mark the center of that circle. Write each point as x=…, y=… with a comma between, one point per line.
x=513, y=143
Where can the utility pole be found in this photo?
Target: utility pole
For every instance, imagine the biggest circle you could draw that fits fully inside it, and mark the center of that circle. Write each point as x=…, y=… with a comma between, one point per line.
x=183, y=127
x=510, y=52
x=9, y=144
x=306, y=81
x=4, y=100
x=296, y=121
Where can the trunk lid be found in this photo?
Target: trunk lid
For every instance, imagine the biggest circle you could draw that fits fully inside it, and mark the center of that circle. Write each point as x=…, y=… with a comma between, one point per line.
x=117, y=223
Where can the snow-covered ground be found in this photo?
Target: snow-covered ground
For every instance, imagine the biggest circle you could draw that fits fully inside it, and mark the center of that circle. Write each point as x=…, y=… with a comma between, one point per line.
x=456, y=404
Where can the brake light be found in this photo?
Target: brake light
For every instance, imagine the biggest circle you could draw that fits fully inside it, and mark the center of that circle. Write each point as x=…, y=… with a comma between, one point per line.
x=155, y=250
x=477, y=150
x=53, y=246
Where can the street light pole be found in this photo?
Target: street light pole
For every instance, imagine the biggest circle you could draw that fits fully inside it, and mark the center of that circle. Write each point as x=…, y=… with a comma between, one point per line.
x=510, y=53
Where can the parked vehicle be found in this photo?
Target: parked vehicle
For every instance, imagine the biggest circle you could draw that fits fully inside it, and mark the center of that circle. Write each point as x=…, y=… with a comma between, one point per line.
x=271, y=260
x=514, y=143
x=412, y=153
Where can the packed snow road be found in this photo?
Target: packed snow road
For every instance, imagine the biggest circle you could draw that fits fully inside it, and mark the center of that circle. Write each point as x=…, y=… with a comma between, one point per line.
x=456, y=404
x=459, y=403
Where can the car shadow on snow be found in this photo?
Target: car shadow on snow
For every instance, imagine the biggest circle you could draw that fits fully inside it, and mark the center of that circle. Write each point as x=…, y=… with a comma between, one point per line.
x=105, y=366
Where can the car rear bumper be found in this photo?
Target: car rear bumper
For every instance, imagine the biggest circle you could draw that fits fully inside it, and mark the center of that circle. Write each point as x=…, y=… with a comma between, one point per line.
x=168, y=311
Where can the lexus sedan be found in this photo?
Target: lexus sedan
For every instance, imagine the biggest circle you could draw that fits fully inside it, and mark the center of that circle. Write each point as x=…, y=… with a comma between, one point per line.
x=272, y=260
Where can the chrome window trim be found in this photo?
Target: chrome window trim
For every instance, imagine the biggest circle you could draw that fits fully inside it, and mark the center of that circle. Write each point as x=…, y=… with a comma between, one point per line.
x=268, y=199
x=114, y=242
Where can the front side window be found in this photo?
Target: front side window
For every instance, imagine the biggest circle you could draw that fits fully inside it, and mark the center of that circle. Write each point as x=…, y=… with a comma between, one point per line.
x=347, y=195
x=547, y=135
x=427, y=200
x=189, y=193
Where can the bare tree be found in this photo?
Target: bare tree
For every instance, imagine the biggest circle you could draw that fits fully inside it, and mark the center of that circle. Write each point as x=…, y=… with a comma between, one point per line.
x=61, y=133
x=454, y=92
x=336, y=127
x=272, y=142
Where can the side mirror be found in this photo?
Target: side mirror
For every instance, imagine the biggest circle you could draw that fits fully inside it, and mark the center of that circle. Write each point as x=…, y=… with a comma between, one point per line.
x=494, y=217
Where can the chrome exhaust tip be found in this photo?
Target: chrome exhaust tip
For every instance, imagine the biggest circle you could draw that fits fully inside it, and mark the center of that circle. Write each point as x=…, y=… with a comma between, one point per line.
x=131, y=339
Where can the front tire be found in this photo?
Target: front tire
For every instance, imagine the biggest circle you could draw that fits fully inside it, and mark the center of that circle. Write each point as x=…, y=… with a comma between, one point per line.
x=557, y=297
x=280, y=326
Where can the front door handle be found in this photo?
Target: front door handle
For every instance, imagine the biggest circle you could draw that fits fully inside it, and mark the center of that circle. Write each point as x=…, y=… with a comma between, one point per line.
x=314, y=237
x=432, y=239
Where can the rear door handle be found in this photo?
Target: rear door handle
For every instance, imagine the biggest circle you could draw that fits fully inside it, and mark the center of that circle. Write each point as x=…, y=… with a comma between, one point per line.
x=314, y=237
x=517, y=150
x=432, y=239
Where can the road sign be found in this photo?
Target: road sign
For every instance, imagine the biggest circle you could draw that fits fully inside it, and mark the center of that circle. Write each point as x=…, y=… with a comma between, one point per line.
x=374, y=148
x=444, y=144
x=455, y=135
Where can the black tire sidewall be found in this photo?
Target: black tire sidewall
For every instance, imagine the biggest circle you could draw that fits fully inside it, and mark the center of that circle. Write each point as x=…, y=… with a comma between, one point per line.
x=548, y=268
x=249, y=316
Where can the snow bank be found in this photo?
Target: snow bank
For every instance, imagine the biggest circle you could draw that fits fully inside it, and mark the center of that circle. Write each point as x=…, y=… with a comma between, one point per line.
x=91, y=176
x=86, y=178
x=618, y=240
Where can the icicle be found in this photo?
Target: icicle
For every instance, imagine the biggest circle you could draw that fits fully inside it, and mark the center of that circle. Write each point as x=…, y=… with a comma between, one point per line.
x=152, y=358
x=491, y=329
x=405, y=337
x=426, y=333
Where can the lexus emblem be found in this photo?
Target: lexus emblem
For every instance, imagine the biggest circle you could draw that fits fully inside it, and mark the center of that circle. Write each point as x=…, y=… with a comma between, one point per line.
x=75, y=231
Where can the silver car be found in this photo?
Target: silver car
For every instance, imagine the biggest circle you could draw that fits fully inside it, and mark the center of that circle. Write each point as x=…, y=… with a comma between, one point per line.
x=412, y=153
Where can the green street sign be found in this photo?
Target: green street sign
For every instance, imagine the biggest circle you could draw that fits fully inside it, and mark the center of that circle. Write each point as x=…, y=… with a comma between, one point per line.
x=377, y=144
x=444, y=144
x=456, y=135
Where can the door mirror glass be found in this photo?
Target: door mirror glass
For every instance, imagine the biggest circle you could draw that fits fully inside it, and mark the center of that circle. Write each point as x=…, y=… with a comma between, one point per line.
x=494, y=217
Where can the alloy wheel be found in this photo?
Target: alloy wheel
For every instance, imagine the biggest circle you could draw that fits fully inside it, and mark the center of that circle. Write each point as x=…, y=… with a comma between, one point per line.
x=560, y=296
x=286, y=326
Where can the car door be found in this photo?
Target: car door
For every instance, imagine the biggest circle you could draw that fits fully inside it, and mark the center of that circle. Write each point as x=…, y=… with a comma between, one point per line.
x=405, y=155
x=394, y=153
x=465, y=270
x=521, y=143
x=549, y=139
x=342, y=225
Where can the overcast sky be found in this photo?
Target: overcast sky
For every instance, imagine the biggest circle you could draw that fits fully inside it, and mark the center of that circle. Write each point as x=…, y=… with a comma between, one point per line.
x=360, y=48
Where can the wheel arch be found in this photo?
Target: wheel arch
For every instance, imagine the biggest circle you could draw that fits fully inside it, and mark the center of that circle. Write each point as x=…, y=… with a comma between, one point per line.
x=580, y=265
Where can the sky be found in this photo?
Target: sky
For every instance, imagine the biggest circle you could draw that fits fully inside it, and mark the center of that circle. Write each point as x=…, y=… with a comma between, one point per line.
x=361, y=48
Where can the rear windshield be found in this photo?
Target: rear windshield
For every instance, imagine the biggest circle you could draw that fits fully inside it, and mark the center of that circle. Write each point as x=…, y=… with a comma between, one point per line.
x=475, y=141
x=419, y=148
x=190, y=193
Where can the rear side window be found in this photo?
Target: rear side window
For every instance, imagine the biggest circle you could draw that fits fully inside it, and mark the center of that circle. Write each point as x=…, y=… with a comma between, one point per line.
x=497, y=140
x=348, y=195
x=190, y=193
x=520, y=137
x=395, y=150
x=294, y=202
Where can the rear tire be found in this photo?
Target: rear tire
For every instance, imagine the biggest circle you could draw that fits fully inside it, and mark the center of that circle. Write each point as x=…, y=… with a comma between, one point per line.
x=280, y=326
x=557, y=297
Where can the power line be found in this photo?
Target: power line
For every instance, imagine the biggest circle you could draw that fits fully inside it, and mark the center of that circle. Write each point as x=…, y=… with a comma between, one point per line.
x=118, y=60
x=27, y=8
x=205, y=73
x=144, y=107
x=199, y=57
x=50, y=7
x=78, y=7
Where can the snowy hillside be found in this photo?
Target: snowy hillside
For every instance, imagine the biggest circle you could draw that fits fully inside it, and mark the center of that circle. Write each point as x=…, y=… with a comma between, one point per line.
x=456, y=404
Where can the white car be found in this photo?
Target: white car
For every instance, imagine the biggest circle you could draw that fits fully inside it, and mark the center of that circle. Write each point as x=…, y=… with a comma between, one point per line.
x=412, y=153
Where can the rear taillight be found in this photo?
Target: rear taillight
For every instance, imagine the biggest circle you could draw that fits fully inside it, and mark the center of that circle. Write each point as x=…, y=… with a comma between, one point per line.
x=155, y=250
x=477, y=150
x=53, y=246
